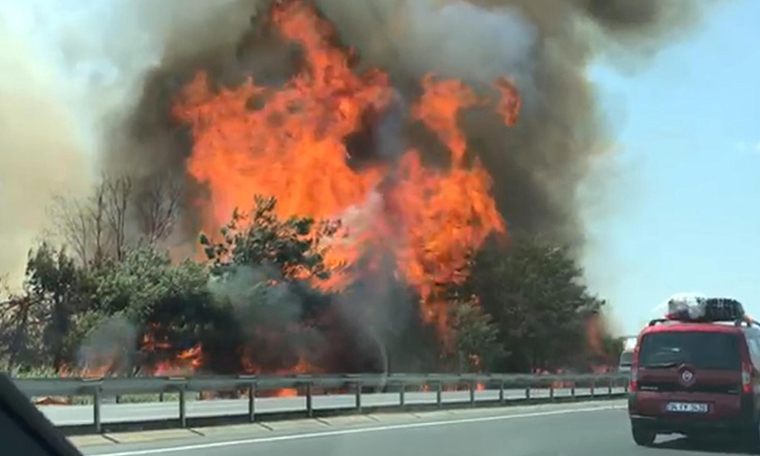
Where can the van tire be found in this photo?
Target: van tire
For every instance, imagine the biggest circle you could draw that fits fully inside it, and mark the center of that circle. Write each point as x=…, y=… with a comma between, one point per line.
x=643, y=436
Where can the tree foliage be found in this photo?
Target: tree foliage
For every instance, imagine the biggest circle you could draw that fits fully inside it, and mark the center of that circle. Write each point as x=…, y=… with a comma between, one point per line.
x=477, y=339
x=257, y=304
x=534, y=291
x=289, y=248
x=264, y=270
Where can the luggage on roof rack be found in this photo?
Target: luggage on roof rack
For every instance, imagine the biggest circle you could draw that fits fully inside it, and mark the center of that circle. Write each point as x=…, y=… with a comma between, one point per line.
x=702, y=309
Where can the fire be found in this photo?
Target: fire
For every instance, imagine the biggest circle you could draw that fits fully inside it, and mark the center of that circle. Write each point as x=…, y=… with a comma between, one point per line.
x=510, y=103
x=94, y=369
x=301, y=367
x=439, y=109
x=290, y=142
x=165, y=359
x=286, y=392
x=185, y=363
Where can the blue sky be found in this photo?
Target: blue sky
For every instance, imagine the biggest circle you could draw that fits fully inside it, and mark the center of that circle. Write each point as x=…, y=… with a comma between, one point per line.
x=682, y=196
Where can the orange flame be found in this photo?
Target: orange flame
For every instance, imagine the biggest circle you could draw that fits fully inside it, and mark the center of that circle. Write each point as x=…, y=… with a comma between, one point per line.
x=186, y=363
x=290, y=143
x=286, y=392
x=510, y=103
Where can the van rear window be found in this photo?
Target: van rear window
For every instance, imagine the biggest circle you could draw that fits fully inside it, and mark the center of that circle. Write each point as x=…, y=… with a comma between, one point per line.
x=703, y=350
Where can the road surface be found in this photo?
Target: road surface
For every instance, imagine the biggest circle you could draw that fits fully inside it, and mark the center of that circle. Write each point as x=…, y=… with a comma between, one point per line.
x=68, y=415
x=579, y=429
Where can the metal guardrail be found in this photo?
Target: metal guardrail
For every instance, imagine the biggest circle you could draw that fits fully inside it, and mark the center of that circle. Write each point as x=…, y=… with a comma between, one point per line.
x=97, y=388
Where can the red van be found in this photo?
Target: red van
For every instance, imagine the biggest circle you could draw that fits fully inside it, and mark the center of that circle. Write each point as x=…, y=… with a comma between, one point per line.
x=696, y=377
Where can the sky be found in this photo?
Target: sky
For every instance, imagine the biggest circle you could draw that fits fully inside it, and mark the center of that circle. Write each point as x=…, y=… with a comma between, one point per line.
x=681, y=203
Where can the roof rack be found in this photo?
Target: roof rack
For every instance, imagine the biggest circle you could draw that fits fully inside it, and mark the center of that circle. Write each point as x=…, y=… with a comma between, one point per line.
x=738, y=322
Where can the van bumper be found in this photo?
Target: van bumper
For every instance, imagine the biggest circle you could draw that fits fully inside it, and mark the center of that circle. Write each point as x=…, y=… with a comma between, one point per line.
x=663, y=425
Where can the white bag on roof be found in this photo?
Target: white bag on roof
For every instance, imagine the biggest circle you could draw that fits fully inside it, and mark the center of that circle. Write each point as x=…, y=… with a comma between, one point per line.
x=695, y=307
x=690, y=304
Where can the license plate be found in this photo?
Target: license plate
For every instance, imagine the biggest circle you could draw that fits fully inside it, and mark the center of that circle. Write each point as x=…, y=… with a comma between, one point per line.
x=687, y=407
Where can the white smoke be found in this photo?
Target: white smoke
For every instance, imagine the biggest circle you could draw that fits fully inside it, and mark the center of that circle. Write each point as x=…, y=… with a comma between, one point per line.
x=71, y=71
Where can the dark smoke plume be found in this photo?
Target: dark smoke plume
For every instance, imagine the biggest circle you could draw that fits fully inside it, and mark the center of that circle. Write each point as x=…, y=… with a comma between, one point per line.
x=545, y=45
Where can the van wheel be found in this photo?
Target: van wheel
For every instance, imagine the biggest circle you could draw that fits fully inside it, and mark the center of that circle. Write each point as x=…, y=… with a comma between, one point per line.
x=643, y=436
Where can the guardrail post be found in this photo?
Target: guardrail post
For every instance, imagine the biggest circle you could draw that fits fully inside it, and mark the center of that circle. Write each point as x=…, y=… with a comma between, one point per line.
x=625, y=386
x=359, y=397
x=472, y=393
x=572, y=389
x=402, y=390
x=439, y=394
x=182, y=407
x=252, y=402
x=593, y=383
x=501, y=392
x=527, y=392
x=609, y=387
x=96, y=409
x=118, y=398
x=161, y=396
x=309, y=407
x=551, y=391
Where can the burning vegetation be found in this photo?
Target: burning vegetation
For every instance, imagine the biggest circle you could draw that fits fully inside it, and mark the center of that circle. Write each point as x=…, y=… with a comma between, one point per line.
x=354, y=202
x=290, y=142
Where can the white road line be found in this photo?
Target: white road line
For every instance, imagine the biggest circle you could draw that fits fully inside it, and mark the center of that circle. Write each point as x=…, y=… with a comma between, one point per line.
x=393, y=427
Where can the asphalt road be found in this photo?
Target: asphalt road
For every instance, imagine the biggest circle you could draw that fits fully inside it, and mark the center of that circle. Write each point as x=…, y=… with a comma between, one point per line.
x=563, y=430
x=62, y=415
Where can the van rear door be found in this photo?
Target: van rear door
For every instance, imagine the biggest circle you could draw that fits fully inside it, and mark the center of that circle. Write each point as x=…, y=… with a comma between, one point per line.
x=680, y=367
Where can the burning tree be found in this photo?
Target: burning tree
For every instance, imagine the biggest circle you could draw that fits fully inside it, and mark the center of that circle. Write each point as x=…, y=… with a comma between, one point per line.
x=267, y=273
x=294, y=142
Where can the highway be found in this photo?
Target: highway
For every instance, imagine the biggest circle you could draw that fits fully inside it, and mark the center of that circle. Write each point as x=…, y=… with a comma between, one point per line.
x=582, y=429
x=68, y=415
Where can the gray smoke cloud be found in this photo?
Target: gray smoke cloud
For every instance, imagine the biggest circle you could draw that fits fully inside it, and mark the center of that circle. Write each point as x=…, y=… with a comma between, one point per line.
x=87, y=87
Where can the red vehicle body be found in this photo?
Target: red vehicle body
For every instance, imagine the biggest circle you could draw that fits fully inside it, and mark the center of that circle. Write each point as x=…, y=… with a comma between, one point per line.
x=694, y=378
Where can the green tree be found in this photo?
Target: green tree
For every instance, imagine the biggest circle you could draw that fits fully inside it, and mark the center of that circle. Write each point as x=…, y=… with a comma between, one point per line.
x=534, y=291
x=53, y=282
x=168, y=303
x=476, y=337
x=289, y=249
x=265, y=269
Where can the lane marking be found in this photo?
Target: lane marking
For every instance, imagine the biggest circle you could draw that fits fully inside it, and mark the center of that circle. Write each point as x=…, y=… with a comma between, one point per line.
x=392, y=427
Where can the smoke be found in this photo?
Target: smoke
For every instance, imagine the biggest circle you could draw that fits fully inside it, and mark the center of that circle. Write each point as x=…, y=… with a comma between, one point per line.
x=86, y=87
x=545, y=46
x=269, y=317
x=110, y=346
x=71, y=73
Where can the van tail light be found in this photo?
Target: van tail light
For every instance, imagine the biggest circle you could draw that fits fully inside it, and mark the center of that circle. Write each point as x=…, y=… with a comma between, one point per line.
x=634, y=377
x=746, y=378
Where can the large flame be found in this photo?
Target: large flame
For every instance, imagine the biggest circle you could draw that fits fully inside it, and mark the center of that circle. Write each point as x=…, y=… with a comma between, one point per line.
x=290, y=142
